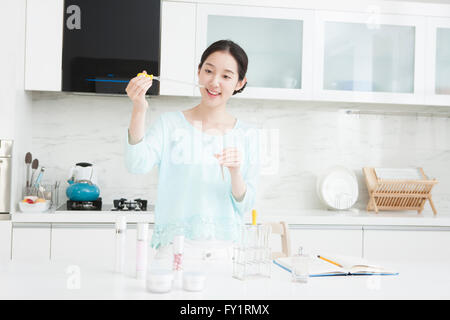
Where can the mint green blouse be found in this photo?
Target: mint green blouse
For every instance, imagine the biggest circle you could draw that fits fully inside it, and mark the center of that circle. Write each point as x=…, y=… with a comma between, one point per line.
x=193, y=199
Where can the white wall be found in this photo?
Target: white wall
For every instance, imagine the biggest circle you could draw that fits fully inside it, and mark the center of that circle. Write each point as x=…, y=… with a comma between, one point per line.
x=69, y=128
x=15, y=103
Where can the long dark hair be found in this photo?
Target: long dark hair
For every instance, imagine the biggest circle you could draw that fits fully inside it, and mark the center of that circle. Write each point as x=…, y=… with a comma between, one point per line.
x=235, y=50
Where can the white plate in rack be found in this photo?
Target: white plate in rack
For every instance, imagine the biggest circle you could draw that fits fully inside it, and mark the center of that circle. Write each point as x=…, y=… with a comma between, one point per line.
x=338, y=188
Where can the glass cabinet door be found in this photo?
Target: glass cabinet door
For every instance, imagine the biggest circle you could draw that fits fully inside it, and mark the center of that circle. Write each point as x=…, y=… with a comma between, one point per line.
x=442, y=78
x=438, y=62
x=275, y=41
x=367, y=61
x=273, y=46
x=359, y=58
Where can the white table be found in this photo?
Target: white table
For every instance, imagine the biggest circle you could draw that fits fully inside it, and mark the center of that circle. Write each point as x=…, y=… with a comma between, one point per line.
x=67, y=280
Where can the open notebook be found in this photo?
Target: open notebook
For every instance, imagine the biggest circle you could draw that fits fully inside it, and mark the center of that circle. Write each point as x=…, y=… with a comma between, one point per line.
x=351, y=266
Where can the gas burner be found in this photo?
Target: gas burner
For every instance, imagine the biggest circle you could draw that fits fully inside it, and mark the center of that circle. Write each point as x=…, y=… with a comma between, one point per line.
x=125, y=205
x=85, y=205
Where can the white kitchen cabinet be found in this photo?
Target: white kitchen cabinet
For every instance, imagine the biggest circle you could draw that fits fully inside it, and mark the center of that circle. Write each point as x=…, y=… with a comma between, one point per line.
x=369, y=57
x=44, y=36
x=438, y=62
x=5, y=241
x=31, y=241
x=343, y=240
x=406, y=243
x=81, y=242
x=178, y=48
x=278, y=43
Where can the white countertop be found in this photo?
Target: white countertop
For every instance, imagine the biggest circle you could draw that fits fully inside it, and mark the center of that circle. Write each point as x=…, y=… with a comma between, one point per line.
x=303, y=217
x=59, y=279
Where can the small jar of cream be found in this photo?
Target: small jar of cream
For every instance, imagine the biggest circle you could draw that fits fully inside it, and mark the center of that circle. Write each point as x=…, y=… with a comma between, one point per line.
x=159, y=281
x=193, y=281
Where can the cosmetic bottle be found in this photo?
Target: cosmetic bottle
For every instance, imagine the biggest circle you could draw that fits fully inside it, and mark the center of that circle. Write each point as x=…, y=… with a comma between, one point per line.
x=178, y=244
x=121, y=228
x=141, y=250
x=300, y=267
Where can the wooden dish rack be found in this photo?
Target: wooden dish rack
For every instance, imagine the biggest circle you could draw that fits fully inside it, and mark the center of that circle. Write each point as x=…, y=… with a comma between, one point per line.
x=398, y=194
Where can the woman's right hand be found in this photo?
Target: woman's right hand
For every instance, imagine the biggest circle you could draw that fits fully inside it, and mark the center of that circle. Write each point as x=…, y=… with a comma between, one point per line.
x=136, y=89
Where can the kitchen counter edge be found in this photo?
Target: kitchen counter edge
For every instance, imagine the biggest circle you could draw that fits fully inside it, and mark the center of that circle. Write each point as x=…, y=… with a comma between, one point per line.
x=304, y=217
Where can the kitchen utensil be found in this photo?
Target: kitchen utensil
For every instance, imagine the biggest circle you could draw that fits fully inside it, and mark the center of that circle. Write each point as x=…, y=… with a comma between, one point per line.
x=338, y=188
x=38, y=179
x=82, y=190
x=158, y=78
x=34, y=166
x=28, y=159
x=83, y=171
x=83, y=183
x=398, y=194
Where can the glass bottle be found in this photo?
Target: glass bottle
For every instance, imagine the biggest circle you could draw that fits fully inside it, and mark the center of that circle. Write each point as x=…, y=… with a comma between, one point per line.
x=300, y=267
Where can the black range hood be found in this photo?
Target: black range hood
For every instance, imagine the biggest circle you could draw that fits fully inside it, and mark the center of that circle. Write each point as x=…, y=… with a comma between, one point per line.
x=107, y=42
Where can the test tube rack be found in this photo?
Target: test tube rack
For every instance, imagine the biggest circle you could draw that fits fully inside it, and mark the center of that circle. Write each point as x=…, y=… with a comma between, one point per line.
x=252, y=255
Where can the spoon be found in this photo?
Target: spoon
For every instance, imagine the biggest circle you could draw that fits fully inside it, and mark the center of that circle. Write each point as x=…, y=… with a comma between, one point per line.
x=158, y=78
x=34, y=166
x=28, y=159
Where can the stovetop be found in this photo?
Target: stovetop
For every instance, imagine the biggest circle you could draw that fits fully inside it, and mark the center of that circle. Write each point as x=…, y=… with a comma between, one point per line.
x=120, y=205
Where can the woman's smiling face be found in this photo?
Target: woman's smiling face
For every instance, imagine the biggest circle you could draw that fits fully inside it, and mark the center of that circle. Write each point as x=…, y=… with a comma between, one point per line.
x=219, y=74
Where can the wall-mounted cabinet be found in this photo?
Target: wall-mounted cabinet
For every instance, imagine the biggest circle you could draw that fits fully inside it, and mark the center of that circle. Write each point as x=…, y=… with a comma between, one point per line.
x=366, y=58
x=438, y=61
x=178, y=48
x=278, y=43
x=43, y=52
x=91, y=46
x=296, y=54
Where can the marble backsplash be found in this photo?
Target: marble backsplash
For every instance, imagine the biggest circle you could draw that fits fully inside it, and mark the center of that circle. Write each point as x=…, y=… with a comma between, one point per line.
x=313, y=136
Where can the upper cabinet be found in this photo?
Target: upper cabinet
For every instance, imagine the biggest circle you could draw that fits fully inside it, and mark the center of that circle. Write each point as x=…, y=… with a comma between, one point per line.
x=178, y=48
x=278, y=43
x=324, y=51
x=438, y=62
x=369, y=58
x=43, y=53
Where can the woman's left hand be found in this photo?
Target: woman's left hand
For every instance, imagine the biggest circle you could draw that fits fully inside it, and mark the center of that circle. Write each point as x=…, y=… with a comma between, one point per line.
x=230, y=158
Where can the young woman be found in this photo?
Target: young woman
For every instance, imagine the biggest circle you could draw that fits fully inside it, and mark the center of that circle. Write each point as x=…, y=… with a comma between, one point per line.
x=207, y=159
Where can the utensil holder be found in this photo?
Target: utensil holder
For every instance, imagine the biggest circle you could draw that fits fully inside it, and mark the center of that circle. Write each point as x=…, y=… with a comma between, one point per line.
x=252, y=255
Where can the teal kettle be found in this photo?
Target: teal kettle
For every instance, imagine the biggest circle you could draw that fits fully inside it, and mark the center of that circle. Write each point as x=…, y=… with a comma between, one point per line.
x=82, y=190
x=82, y=185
